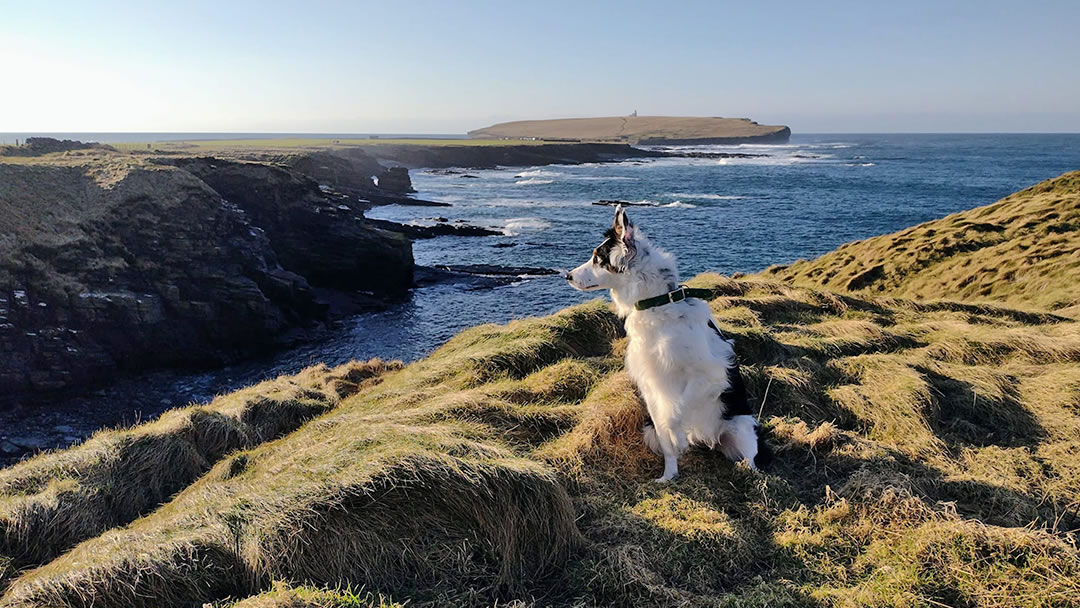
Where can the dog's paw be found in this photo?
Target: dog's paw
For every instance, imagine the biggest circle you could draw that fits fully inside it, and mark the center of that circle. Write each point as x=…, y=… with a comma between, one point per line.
x=664, y=479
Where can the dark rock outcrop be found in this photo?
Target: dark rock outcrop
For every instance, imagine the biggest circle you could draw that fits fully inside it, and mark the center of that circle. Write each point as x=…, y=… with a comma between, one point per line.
x=780, y=136
x=312, y=235
x=617, y=203
x=678, y=154
x=480, y=157
x=418, y=231
x=478, y=276
x=344, y=170
x=107, y=267
x=378, y=197
x=396, y=180
x=497, y=270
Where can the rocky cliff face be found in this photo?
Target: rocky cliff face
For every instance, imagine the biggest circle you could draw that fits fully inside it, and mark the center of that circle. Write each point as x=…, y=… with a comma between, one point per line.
x=396, y=180
x=115, y=264
x=473, y=156
x=324, y=239
x=124, y=268
x=347, y=169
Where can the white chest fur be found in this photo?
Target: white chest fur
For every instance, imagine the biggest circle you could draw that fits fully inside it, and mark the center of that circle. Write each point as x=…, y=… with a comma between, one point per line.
x=680, y=365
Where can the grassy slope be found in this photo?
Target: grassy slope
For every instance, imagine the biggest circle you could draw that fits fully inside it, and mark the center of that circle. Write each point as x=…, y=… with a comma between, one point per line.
x=51, y=503
x=928, y=454
x=628, y=128
x=1023, y=250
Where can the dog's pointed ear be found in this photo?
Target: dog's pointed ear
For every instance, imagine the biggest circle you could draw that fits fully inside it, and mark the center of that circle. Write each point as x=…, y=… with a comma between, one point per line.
x=624, y=230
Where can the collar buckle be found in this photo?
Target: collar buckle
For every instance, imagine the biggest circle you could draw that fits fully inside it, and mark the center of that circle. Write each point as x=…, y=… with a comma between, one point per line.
x=680, y=292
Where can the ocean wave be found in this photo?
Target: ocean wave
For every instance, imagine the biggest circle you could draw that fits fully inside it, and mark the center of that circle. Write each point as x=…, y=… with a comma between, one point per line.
x=538, y=173
x=533, y=181
x=680, y=205
x=860, y=164
x=517, y=225
x=708, y=197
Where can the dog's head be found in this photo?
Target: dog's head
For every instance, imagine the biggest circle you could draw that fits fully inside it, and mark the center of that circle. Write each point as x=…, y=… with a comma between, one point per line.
x=611, y=258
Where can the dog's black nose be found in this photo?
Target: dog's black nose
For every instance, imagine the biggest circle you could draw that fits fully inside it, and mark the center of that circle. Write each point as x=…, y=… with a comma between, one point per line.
x=568, y=276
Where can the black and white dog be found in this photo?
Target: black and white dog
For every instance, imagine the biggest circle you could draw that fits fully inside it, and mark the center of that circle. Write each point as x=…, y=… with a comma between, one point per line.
x=686, y=370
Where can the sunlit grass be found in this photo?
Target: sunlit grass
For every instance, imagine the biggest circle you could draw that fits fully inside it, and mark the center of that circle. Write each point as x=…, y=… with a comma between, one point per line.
x=1021, y=250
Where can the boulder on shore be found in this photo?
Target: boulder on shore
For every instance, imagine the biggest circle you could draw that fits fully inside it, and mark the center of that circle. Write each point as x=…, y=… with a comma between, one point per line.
x=395, y=179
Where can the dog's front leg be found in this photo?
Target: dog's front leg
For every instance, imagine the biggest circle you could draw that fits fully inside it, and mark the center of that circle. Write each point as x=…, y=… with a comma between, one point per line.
x=672, y=443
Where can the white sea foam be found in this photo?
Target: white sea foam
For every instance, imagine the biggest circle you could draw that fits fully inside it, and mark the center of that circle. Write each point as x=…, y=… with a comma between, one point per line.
x=680, y=205
x=538, y=173
x=533, y=181
x=517, y=225
x=708, y=197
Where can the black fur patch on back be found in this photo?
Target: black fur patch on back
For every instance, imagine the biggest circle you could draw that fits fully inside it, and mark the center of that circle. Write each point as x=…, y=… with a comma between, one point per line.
x=734, y=398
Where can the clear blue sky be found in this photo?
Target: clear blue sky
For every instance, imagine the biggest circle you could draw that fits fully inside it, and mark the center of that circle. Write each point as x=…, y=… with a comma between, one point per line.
x=446, y=67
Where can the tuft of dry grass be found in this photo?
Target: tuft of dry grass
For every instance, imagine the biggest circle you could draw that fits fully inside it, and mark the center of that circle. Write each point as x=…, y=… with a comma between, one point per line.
x=1023, y=250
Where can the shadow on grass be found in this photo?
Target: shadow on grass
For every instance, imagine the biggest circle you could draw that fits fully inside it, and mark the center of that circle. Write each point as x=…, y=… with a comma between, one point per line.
x=967, y=418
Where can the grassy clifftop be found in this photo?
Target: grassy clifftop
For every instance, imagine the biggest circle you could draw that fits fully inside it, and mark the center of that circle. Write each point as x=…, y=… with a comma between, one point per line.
x=928, y=454
x=1023, y=250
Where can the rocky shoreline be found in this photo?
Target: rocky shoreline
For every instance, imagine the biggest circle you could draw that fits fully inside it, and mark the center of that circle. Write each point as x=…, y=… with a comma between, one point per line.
x=489, y=157
x=114, y=266
x=119, y=270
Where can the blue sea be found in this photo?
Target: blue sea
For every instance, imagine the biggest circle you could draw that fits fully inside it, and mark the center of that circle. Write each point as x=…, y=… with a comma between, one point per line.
x=797, y=200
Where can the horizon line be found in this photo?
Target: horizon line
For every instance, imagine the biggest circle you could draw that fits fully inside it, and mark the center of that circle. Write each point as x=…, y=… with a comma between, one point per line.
x=403, y=133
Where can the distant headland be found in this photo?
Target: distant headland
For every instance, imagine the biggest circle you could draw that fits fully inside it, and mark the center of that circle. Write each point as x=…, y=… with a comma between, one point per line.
x=646, y=130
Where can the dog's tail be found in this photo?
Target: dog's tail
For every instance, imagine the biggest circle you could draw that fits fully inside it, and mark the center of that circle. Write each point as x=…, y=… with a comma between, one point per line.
x=648, y=432
x=765, y=452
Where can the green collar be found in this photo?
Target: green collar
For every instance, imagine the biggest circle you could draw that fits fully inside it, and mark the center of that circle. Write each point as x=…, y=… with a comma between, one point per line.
x=671, y=297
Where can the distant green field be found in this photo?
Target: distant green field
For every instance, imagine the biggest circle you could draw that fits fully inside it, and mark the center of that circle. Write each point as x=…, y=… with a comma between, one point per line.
x=287, y=143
